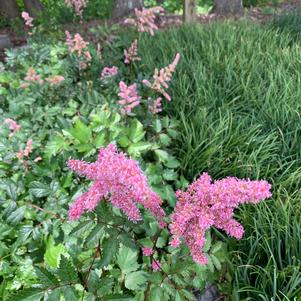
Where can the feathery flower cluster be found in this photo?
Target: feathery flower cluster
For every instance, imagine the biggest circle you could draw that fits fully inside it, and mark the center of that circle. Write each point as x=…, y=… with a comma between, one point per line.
x=145, y=19
x=55, y=80
x=162, y=77
x=31, y=77
x=119, y=179
x=78, y=6
x=13, y=126
x=26, y=152
x=28, y=20
x=129, y=97
x=156, y=105
x=78, y=46
x=108, y=72
x=147, y=251
x=131, y=54
x=206, y=204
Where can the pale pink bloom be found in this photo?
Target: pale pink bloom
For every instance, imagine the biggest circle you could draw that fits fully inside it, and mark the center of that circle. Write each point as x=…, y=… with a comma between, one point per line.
x=26, y=152
x=87, y=56
x=156, y=265
x=156, y=105
x=28, y=20
x=206, y=204
x=32, y=77
x=129, y=97
x=108, y=72
x=13, y=126
x=145, y=19
x=37, y=159
x=162, y=77
x=131, y=54
x=55, y=80
x=147, y=251
x=24, y=85
x=78, y=6
x=77, y=45
x=117, y=179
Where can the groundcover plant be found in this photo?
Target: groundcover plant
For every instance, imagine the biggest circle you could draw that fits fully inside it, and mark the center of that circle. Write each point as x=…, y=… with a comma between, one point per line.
x=94, y=203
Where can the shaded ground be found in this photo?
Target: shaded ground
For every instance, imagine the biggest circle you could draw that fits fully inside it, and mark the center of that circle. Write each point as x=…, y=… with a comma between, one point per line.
x=257, y=14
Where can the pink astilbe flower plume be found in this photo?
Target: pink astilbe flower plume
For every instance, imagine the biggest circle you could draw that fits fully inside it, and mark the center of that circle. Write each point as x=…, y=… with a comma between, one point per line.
x=108, y=72
x=145, y=19
x=129, y=97
x=78, y=6
x=118, y=179
x=162, y=77
x=13, y=126
x=206, y=204
x=28, y=20
x=131, y=54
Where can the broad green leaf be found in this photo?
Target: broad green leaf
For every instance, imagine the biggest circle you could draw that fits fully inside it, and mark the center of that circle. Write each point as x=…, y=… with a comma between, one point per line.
x=135, y=149
x=81, y=228
x=117, y=297
x=16, y=216
x=127, y=260
x=70, y=293
x=81, y=132
x=155, y=294
x=56, y=145
x=157, y=126
x=216, y=262
x=55, y=295
x=207, y=245
x=164, y=139
x=46, y=278
x=66, y=272
x=53, y=253
x=109, y=250
x=136, y=131
x=39, y=189
x=95, y=235
x=135, y=280
x=162, y=155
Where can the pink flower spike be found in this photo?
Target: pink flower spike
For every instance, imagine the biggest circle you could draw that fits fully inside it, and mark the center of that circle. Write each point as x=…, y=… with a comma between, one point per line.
x=147, y=251
x=55, y=80
x=28, y=20
x=131, y=54
x=206, y=204
x=119, y=180
x=78, y=6
x=13, y=125
x=129, y=97
x=108, y=72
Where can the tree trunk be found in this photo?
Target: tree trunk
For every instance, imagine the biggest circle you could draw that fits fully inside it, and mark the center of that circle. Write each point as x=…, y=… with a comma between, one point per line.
x=9, y=8
x=33, y=7
x=125, y=7
x=224, y=7
x=189, y=14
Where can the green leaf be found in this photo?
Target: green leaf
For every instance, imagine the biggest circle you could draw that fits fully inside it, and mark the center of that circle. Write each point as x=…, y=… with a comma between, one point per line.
x=66, y=272
x=117, y=297
x=136, y=280
x=170, y=175
x=162, y=155
x=29, y=294
x=164, y=139
x=16, y=216
x=100, y=140
x=81, y=228
x=135, y=149
x=39, y=189
x=53, y=253
x=95, y=235
x=110, y=249
x=172, y=162
x=156, y=293
x=46, y=278
x=55, y=295
x=207, y=245
x=216, y=247
x=136, y=131
x=157, y=126
x=127, y=260
x=70, y=294
x=81, y=132
x=216, y=262
x=104, y=286
x=56, y=145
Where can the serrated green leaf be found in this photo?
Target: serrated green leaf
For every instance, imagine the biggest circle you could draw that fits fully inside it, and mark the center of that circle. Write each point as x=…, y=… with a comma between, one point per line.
x=80, y=131
x=135, y=280
x=55, y=295
x=16, y=216
x=95, y=235
x=70, y=293
x=46, y=278
x=53, y=253
x=30, y=294
x=136, y=148
x=162, y=155
x=39, y=189
x=170, y=175
x=81, y=228
x=136, y=132
x=66, y=272
x=216, y=262
x=155, y=294
x=109, y=250
x=157, y=126
x=127, y=260
x=216, y=247
x=164, y=139
x=56, y=145
x=117, y=297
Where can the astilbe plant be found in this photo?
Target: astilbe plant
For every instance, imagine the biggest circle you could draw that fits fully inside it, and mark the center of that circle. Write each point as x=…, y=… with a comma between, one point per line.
x=131, y=54
x=129, y=97
x=118, y=179
x=206, y=204
x=78, y=6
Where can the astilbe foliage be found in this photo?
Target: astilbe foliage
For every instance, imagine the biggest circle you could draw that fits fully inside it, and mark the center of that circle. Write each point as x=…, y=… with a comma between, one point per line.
x=118, y=179
x=206, y=204
x=145, y=19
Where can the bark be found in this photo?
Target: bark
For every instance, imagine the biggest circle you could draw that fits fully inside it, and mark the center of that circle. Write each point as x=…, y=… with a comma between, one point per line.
x=189, y=14
x=224, y=7
x=9, y=8
x=125, y=7
x=33, y=7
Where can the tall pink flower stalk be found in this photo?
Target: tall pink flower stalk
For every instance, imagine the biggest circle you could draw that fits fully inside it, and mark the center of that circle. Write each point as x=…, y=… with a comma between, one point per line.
x=145, y=19
x=118, y=179
x=28, y=20
x=206, y=204
x=26, y=151
x=78, y=6
x=131, y=54
x=129, y=97
x=162, y=77
x=31, y=77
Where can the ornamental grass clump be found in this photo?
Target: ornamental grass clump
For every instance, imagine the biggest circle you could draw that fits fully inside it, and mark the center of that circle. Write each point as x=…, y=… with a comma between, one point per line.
x=206, y=204
x=118, y=179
